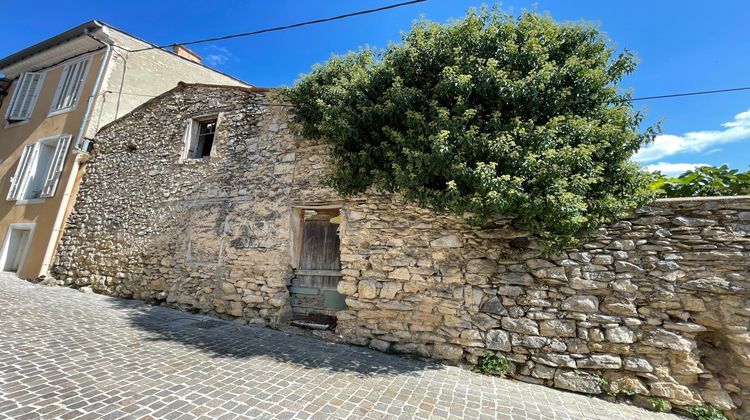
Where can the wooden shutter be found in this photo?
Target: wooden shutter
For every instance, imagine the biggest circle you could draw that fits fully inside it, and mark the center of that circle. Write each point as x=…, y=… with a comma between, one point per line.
x=70, y=84
x=56, y=167
x=24, y=97
x=22, y=172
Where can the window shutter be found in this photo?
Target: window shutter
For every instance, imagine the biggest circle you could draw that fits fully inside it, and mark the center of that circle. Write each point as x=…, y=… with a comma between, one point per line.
x=19, y=178
x=70, y=84
x=24, y=97
x=56, y=167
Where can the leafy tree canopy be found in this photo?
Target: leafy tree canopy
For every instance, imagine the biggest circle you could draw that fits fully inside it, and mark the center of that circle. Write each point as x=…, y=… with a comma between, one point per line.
x=703, y=182
x=487, y=115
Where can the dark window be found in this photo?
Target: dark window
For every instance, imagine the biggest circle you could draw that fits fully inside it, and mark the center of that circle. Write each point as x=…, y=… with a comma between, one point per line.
x=205, y=138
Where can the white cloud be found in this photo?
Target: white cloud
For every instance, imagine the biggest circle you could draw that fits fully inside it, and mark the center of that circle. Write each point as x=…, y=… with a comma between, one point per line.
x=696, y=141
x=217, y=56
x=673, y=169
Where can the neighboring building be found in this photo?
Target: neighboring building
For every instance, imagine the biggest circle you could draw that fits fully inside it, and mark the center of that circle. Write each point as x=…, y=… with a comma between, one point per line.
x=54, y=97
x=203, y=199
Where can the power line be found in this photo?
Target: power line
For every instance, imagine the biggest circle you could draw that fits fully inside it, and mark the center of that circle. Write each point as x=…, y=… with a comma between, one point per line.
x=676, y=95
x=282, y=104
x=294, y=25
x=643, y=98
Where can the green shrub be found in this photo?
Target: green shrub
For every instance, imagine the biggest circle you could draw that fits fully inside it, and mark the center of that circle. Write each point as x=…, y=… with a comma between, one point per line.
x=488, y=115
x=705, y=412
x=492, y=365
x=703, y=182
x=658, y=404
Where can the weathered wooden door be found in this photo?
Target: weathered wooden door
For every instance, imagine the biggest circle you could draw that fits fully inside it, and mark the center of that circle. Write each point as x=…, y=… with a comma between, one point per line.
x=313, y=291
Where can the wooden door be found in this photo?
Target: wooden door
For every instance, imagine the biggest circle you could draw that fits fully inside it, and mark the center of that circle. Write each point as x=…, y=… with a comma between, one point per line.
x=17, y=245
x=313, y=291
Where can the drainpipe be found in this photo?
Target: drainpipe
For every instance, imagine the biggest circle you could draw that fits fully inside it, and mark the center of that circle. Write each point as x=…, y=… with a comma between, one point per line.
x=66, y=197
x=94, y=92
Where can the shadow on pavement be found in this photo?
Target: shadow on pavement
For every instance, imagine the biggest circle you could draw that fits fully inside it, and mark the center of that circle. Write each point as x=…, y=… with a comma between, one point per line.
x=226, y=339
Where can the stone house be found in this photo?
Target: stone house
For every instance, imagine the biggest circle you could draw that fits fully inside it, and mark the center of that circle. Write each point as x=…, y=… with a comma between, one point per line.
x=54, y=96
x=203, y=199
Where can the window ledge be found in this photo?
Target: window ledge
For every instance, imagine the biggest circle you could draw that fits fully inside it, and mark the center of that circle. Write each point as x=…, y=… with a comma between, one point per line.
x=9, y=124
x=30, y=201
x=61, y=111
x=195, y=161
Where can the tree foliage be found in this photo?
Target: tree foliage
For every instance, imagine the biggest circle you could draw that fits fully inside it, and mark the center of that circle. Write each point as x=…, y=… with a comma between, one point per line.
x=487, y=115
x=704, y=181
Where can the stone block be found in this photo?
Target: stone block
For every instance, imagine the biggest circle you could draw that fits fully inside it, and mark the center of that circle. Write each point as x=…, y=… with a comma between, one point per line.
x=664, y=339
x=379, y=345
x=583, y=303
x=627, y=267
x=619, y=335
x=521, y=279
x=510, y=291
x=348, y=288
x=400, y=273
x=447, y=241
x=520, y=325
x=627, y=385
x=235, y=309
x=368, y=289
x=498, y=340
x=447, y=351
x=622, y=245
x=558, y=328
x=543, y=372
x=481, y=266
x=554, y=273
x=602, y=259
x=494, y=306
x=676, y=393
x=719, y=399
x=534, y=264
x=389, y=289
x=555, y=360
x=484, y=321
x=578, y=381
x=600, y=361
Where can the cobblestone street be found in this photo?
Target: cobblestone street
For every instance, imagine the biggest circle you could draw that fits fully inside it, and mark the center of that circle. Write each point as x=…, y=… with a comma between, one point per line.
x=66, y=354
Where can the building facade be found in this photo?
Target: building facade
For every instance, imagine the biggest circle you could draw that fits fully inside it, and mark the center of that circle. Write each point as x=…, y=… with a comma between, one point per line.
x=55, y=96
x=204, y=200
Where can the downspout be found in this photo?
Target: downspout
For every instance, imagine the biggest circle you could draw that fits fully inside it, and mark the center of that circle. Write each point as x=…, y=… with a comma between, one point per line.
x=94, y=92
x=66, y=197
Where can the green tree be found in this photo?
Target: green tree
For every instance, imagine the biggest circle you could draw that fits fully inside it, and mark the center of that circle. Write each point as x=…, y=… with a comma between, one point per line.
x=704, y=181
x=486, y=115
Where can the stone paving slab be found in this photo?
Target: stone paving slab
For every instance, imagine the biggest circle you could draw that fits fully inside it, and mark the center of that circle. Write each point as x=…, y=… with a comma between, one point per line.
x=66, y=354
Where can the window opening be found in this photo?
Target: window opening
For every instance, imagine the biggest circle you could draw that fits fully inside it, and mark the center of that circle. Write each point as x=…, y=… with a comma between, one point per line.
x=205, y=141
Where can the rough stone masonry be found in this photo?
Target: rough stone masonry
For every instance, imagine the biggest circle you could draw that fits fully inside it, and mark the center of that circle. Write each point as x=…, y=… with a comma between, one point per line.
x=656, y=305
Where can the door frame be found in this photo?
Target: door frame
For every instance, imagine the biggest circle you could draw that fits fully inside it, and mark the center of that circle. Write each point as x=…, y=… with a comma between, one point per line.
x=297, y=223
x=24, y=253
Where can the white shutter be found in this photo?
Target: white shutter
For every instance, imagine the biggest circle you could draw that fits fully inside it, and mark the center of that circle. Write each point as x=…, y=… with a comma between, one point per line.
x=22, y=172
x=56, y=167
x=69, y=88
x=24, y=97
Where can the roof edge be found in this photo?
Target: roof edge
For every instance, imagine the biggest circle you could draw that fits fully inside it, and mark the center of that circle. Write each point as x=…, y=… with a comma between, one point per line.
x=180, y=86
x=86, y=28
x=252, y=89
x=48, y=43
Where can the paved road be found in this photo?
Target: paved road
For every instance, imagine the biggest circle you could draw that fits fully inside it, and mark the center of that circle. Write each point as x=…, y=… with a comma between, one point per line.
x=66, y=354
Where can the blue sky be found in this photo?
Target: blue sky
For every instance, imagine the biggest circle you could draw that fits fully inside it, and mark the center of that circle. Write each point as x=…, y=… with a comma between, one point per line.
x=682, y=46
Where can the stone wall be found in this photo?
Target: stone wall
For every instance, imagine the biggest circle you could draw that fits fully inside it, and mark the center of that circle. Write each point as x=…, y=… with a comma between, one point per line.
x=656, y=304
x=209, y=234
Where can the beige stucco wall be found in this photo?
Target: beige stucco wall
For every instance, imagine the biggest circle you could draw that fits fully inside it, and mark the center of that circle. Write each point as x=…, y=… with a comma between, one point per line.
x=14, y=137
x=135, y=77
